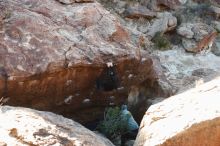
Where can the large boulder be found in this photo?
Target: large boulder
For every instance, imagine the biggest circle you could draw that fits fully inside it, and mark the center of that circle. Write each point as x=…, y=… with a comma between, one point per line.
x=22, y=126
x=53, y=57
x=188, y=119
x=163, y=23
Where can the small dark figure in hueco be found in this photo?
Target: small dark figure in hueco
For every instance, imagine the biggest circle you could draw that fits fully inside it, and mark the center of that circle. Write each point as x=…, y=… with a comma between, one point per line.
x=108, y=80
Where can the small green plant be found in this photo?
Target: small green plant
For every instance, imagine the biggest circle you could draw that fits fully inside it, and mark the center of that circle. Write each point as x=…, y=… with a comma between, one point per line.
x=8, y=14
x=161, y=42
x=114, y=125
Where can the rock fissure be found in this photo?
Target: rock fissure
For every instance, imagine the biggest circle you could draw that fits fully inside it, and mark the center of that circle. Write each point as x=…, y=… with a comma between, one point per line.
x=5, y=77
x=99, y=20
x=66, y=61
x=70, y=2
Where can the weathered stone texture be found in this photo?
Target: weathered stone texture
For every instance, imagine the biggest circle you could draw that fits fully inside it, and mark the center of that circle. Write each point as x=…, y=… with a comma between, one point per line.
x=22, y=126
x=54, y=53
x=188, y=119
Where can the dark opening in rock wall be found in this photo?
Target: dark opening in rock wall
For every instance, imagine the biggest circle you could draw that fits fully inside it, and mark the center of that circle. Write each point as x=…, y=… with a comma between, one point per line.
x=3, y=85
x=108, y=80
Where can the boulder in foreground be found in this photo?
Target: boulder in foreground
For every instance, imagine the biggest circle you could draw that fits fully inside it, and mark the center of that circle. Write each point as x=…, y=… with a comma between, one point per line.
x=22, y=126
x=188, y=119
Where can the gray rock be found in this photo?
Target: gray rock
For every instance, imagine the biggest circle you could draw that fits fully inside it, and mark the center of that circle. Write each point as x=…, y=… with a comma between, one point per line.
x=180, y=66
x=143, y=28
x=129, y=143
x=117, y=141
x=192, y=33
x=189, y=44
x=216, y=25
x=215, y=2
x=200, y=30
x=202, y=72
x=155, y=100
x=185, y=30
x=215, y=10
x=120, y=6
x=216, y=48
x=163, y=23
x=194, y=30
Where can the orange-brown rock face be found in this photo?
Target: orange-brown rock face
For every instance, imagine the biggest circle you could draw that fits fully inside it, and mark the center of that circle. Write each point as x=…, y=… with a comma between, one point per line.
x=51, y=56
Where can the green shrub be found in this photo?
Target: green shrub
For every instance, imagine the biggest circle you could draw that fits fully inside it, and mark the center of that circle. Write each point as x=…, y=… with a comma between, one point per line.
x=161, y=42
x=114, y=124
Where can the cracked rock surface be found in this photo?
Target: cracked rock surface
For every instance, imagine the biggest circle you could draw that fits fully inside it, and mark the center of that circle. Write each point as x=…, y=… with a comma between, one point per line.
x=51, y=55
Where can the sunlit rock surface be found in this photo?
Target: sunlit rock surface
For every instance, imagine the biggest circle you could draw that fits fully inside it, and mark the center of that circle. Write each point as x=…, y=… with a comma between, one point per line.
x=188, y=119
x=23, y=126
x=185, y=70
